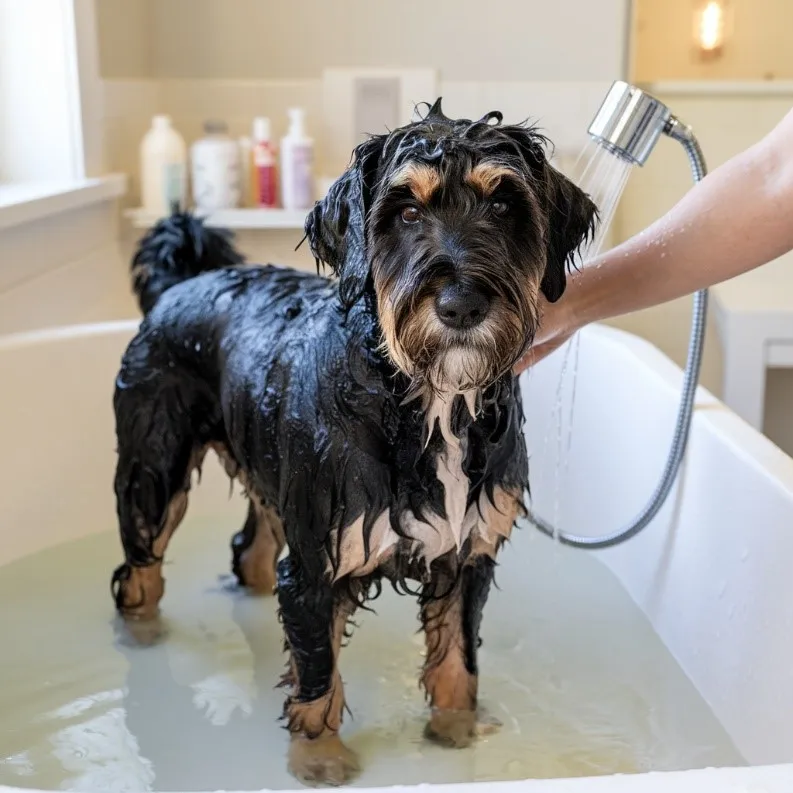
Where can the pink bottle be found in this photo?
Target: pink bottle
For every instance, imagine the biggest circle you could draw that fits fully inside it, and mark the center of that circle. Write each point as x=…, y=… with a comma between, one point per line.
x=263, y=171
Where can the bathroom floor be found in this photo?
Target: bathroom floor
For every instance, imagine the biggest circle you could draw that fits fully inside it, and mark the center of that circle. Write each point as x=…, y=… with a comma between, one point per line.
x=571, y=667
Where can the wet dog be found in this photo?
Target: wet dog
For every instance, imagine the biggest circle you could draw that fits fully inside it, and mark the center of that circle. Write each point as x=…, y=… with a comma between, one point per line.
x=372, y=418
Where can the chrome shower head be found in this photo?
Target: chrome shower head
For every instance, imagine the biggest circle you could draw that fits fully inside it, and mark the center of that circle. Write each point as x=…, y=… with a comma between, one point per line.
x=630, y=122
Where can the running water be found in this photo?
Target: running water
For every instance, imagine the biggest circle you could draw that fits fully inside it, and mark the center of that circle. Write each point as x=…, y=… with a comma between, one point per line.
x=603, y=177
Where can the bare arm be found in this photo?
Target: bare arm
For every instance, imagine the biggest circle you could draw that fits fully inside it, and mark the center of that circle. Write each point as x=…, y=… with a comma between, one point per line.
x=736, y=219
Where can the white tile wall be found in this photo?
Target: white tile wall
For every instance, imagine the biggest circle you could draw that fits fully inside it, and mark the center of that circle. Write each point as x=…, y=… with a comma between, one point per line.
x=338, y=114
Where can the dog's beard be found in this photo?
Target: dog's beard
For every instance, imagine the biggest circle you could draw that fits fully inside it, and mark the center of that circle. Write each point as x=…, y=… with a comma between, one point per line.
x=459, y=369
x=441, y=360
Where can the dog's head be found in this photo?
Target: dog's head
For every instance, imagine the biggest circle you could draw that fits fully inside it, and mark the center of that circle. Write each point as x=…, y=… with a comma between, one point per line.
x=454, y=227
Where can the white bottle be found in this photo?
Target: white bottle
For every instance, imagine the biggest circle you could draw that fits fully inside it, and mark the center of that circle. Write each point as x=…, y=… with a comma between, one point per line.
x=297, y=162
x=216, y=169
x=163, y=168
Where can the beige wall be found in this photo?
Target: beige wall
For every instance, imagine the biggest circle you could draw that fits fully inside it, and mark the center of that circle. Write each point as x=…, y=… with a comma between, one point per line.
x=126, y=42
x=464, y=39
x=759, y=47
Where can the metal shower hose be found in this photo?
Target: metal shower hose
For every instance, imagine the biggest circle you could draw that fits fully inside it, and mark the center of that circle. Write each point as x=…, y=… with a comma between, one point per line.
x=683, y=135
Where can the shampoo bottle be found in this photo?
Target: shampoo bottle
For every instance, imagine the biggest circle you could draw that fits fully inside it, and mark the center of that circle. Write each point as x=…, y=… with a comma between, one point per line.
x=264, y=178
x=163, y=168
x=246, y=168
x=217, y=170
x=297, y=162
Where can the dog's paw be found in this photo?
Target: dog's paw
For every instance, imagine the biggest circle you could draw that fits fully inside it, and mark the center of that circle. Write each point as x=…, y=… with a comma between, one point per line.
x=459, y=728
x=322, y=761
x=486, y=724
x=453, y=728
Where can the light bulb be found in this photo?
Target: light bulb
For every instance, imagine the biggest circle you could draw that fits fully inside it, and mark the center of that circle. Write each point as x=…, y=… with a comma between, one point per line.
x=711, y=26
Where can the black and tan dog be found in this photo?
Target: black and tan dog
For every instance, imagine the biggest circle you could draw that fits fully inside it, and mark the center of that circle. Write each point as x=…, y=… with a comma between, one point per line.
x=373, y=419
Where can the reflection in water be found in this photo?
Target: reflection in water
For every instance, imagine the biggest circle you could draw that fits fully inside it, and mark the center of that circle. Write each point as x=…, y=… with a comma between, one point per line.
x=102, y=754
x=218, y=728
x=569, y=665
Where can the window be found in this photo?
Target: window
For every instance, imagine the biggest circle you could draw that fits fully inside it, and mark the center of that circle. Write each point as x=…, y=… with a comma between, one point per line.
x=50, y=108
x=39, y=92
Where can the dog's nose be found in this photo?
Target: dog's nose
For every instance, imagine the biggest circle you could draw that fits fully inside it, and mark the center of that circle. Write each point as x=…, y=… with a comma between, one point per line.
x=461, y=307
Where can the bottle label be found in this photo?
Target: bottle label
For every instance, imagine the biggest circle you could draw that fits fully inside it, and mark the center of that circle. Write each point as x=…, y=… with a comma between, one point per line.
x=264, y=176
x=263, y=156
x=217, y=177
x=302, y=184
x=173, y=180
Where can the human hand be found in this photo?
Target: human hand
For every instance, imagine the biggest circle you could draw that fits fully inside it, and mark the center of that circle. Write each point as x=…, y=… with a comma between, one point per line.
x=556, y=327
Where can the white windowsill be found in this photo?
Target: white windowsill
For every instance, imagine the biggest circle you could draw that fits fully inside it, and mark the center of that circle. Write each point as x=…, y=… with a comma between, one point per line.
x=22, y=203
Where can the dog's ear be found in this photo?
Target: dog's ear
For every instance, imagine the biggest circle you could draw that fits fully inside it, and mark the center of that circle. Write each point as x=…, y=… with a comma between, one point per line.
x=571, y=213
x=336, y=227
x=572, y=219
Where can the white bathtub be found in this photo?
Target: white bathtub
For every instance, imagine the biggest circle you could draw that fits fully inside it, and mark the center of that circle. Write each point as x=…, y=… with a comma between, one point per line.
x=712, y=573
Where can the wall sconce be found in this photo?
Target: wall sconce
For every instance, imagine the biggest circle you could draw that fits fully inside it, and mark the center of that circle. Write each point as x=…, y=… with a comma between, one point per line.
x=711, y=27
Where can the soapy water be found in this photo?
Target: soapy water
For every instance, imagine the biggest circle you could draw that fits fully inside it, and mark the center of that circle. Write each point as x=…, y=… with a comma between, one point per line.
x=569, y=665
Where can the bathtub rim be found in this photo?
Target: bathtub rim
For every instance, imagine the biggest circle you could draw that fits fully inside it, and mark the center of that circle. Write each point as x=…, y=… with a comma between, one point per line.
x=752, y=779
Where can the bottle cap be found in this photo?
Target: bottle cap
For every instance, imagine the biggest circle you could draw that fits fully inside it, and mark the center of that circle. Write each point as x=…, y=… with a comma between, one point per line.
x=161, y=122
x=296, y=118
x=261, y=129
x=215, y=127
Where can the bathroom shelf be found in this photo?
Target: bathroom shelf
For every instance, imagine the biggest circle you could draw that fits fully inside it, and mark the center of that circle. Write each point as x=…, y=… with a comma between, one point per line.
x=272, y=219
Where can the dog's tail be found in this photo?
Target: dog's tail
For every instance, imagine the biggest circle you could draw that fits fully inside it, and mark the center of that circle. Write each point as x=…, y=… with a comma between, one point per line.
x=177, y=248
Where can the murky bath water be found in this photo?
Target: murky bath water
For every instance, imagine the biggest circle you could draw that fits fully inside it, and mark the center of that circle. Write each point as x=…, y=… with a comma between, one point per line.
x=569, y=665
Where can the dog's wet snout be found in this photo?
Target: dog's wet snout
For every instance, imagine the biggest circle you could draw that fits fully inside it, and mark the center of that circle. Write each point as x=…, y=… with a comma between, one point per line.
x=460, y=306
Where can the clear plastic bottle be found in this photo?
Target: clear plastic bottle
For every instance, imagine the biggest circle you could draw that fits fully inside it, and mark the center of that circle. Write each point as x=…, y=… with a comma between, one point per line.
x=163, y=168
x=297, y=164
x=216, y=169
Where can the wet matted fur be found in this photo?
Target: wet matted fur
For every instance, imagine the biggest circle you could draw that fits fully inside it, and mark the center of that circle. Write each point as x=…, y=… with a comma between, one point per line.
x=372, y=418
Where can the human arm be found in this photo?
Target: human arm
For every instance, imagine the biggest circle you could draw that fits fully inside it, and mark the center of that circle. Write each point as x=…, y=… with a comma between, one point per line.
x=738, y=218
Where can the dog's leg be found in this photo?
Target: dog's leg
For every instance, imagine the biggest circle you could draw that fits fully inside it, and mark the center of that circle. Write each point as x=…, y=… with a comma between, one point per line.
x=138, y=583
x=452, y=608
x=314, y=619
x=156, y=457
x=451, y=614
x=255, y=549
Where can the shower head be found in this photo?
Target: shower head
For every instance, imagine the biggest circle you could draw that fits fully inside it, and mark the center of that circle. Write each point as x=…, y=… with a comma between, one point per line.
x=630, y=122
x=628, y=126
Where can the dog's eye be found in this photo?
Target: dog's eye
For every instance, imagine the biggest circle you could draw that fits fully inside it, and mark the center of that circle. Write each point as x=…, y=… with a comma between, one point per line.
x=500, y=207
x=411, y=215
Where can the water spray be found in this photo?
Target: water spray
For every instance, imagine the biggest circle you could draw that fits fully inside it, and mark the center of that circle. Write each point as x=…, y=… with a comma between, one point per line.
x=628, y=125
